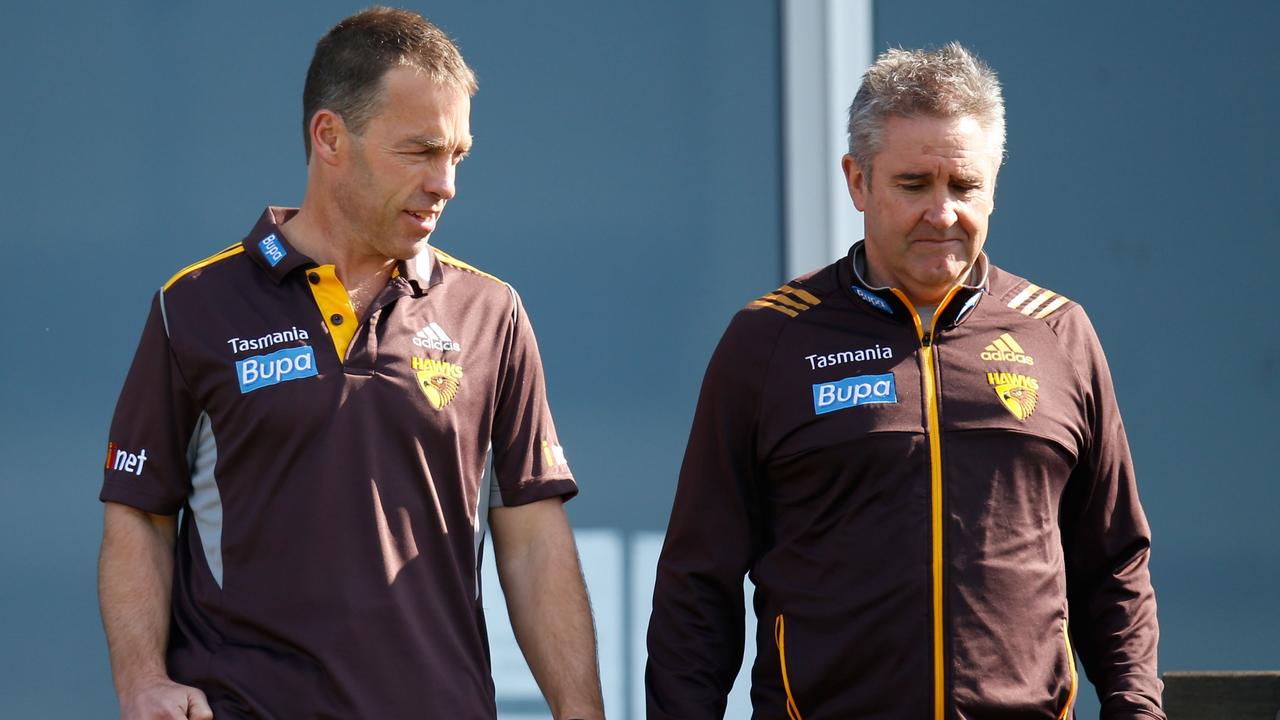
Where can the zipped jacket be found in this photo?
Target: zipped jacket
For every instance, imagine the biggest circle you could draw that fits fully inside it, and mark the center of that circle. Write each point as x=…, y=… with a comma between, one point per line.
x=938, y=519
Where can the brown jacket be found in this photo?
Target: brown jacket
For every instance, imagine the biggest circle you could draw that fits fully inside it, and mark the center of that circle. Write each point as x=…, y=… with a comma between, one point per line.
x=937, y=520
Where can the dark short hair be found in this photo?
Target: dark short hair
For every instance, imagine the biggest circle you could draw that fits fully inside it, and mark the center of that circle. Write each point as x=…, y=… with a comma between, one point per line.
x=351, y=60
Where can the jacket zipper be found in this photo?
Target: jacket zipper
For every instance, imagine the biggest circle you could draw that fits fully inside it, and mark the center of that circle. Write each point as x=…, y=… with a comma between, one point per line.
x=933, y=425
x=935, y=492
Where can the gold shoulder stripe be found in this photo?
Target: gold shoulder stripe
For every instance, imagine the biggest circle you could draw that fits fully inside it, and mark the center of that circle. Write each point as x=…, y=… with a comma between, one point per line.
x=448, y=259
x=784, y=300
x=1022, y=296
x=1048, y=309
x=787, y=300
x=772, y=306
x=805, y=296
x=216, y=257
x=1038, y=302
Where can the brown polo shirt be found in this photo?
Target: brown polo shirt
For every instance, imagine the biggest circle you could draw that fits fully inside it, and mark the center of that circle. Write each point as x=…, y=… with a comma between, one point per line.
x=332, y=476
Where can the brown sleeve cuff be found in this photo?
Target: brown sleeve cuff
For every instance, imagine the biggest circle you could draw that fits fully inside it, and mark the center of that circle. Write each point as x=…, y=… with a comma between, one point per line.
x=539, y=489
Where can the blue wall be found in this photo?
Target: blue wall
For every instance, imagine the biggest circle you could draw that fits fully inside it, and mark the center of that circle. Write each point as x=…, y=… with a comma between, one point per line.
x=627, y=179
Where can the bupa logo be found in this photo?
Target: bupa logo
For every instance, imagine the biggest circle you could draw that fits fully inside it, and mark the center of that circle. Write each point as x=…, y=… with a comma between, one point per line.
x=854, y=391
x=874, y=301
x=271, y=249
x=284, y=365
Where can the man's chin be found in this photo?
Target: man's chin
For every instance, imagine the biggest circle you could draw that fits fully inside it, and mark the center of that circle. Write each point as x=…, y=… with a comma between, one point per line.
x=409, y=248
x=943, y=276
x=931, y=287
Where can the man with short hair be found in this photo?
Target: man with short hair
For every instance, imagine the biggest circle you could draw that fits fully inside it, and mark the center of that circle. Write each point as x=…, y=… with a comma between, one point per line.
x=320, y=401
x=916, y=456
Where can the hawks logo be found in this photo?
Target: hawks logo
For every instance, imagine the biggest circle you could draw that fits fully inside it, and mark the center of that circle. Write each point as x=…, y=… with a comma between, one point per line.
x=1017, y=392
x=438, y=380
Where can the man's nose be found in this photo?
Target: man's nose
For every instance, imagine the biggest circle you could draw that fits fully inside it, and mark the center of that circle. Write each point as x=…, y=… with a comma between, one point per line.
x=442, y=181
x=941, y=213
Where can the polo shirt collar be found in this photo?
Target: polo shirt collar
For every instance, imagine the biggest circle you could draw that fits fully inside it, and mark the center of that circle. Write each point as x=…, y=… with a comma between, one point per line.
x=267, y=245
x=423, y=271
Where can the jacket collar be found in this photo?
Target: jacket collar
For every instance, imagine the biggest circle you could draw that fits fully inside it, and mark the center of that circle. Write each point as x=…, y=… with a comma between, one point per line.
x=893, y=303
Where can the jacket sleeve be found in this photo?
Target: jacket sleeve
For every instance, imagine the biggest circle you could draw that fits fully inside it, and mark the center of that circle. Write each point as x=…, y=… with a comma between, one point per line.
x=1107, y=544
x=697, y=627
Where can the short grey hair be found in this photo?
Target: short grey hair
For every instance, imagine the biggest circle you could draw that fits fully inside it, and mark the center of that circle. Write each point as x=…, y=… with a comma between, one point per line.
x=948, y=82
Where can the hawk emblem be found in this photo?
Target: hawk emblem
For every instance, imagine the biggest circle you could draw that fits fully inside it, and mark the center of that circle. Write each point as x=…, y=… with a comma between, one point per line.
x=1018, y=399
x=439, y=388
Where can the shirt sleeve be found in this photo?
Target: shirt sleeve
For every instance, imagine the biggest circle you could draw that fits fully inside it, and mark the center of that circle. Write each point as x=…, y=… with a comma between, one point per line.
x=146, y=463
x=714, y=537
x=1107, y=544
x=528, y=461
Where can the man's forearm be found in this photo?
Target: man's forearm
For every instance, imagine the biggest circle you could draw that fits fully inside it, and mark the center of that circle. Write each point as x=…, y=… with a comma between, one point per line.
x=549, y=609
x=135, y=575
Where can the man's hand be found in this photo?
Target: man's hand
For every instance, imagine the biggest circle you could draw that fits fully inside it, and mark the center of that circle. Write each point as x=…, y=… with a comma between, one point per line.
x=162, y=699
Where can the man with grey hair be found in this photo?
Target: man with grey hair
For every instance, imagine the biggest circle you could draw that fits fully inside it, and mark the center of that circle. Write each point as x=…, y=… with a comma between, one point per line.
x=320, y=402
x=916, y=456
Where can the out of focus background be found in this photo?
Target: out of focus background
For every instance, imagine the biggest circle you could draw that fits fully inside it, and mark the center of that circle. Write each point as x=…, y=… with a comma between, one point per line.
x=642, y=170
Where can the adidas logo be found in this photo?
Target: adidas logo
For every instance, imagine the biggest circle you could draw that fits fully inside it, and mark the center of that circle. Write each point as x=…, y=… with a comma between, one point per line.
x=435, y=338
x=1006, y=349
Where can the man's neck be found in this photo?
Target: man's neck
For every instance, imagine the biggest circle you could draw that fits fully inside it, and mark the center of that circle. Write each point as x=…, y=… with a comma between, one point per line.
x=329, y=241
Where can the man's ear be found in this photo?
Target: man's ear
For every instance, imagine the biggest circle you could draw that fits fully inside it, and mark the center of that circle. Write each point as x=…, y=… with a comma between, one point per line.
x=329, y=136
x=859, y=181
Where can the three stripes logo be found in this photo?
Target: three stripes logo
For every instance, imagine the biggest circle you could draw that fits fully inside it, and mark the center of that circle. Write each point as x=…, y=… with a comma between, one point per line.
x=434, y=337
x=1035, y=301
x=1006, y=349
x=787, y=300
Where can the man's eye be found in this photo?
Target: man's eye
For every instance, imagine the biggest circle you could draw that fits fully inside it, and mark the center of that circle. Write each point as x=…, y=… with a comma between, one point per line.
x=913, y=187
